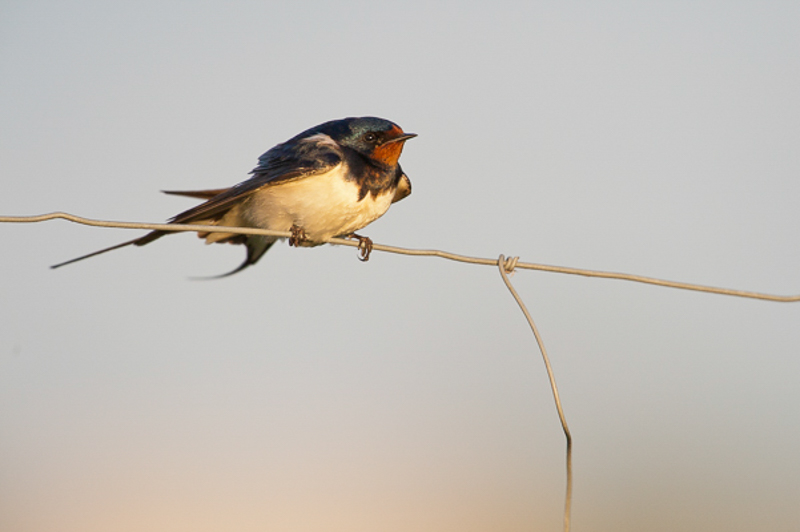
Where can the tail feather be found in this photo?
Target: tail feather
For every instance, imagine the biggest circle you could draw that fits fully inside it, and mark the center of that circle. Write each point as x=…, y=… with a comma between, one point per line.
x=146, y=239
x=256, y=247
x=199, y=194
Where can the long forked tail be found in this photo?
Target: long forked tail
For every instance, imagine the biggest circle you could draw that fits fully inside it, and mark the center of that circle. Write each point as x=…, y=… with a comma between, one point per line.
x=208, y=212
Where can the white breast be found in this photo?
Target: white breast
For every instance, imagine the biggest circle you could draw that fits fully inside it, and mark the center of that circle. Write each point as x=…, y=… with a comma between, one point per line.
x=324, y=206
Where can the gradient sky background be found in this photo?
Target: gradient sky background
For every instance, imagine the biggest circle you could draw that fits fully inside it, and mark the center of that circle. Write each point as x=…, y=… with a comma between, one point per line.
x=314, y=392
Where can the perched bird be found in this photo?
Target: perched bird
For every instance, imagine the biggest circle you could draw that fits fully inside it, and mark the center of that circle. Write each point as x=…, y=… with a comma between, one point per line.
x=328, y=181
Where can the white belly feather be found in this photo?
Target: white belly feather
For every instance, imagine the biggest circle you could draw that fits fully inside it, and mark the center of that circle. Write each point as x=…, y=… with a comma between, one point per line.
x=324, y=206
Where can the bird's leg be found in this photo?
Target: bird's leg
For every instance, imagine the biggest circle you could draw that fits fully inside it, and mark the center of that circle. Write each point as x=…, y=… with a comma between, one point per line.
x=298, y=236
x=364, y=246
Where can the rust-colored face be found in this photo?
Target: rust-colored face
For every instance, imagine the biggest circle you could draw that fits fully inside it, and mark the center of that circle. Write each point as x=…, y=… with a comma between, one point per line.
x=389, y=151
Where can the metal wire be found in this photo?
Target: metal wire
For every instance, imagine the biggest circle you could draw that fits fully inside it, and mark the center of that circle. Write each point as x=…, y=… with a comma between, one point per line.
x=505, y=266
x=414, y=252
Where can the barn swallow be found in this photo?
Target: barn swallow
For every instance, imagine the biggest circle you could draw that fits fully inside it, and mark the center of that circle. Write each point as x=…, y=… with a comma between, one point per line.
x=328, y=181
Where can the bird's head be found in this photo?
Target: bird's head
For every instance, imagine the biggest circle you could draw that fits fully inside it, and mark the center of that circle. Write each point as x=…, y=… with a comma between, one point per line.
x=376, y=138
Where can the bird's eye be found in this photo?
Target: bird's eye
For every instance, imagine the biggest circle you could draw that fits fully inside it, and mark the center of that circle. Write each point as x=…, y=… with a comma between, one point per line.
x=370, y=137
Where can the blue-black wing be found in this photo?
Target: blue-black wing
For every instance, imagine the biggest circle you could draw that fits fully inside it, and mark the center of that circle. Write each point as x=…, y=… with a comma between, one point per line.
x=292, y=160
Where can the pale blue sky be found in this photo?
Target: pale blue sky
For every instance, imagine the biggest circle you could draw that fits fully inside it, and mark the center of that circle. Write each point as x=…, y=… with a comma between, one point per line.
x=314, y=392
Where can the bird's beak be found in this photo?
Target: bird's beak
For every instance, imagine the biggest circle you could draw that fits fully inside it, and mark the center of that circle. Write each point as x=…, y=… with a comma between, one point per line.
x=401, y=138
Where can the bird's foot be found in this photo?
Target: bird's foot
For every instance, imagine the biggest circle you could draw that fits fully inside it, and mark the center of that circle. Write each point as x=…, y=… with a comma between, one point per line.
x=298, y=236
x=364, y=246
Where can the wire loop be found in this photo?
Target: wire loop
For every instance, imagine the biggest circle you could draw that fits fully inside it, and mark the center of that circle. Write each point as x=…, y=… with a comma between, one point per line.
x=509, y=264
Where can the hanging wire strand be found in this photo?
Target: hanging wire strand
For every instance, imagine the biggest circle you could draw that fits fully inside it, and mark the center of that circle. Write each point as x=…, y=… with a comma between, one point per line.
x=506, y=267
x=406, y=251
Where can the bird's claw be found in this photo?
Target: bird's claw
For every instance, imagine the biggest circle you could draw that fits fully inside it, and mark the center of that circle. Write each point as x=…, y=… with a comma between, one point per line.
x=364, y=246
x=298, y=236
